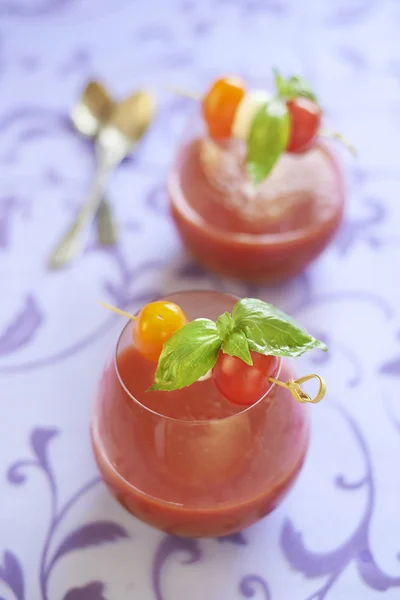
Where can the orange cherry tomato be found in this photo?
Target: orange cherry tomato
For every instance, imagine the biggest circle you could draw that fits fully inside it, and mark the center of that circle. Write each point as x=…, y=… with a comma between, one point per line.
x=220, y=104
x=155, y=324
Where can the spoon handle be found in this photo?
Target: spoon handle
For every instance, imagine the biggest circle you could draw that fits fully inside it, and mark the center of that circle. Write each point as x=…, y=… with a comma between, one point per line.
x=107, y=231
x=71, y=243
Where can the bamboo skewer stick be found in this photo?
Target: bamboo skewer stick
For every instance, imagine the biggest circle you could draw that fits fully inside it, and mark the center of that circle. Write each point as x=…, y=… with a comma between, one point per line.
x=324, y=133
x=293, y=386
x=118, y=311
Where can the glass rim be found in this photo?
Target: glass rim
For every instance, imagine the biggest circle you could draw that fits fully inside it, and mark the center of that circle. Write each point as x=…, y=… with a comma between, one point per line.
x=239, y=414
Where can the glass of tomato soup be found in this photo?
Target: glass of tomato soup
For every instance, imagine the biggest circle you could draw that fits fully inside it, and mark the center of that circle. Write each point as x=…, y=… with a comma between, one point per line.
x=264, y=230
x=189, y=461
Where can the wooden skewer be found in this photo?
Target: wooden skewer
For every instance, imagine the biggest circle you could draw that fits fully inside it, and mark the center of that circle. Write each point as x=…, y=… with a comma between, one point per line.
x=325, y=133
x=296, y=390
x=184, y=93
x=118, y=311
x=292, y=386
x=335, y=135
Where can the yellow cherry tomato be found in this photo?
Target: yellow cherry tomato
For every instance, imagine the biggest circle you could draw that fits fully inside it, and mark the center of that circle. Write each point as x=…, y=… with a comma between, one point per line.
x=220, y=104
x=155, y=324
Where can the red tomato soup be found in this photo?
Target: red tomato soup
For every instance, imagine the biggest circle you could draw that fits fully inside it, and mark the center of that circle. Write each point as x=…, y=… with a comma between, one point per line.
x=189, y=462
x=269, y=232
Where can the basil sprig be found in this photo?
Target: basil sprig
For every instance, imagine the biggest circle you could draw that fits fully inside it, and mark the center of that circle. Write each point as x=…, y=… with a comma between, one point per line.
x=267, y=140
x=270, y=128
x=188, y=355
x=254, y=325
x=293, y=87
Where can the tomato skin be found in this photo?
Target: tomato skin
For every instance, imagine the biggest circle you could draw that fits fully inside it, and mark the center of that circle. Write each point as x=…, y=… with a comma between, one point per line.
x=305, y=119
x=241, y=383
x=155, y=324
x=219, y=106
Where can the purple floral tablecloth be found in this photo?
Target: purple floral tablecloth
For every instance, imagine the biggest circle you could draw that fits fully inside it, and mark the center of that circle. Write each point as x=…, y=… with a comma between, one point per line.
x=62, y=536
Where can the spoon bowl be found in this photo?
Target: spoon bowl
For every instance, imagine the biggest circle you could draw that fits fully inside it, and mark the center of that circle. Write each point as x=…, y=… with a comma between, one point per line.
x=92, y=110
x=127, y=123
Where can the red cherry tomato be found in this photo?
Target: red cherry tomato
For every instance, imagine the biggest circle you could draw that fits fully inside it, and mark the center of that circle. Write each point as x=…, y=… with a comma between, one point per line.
x=305, y=119
x=155, y=324
x=220, y=104
x=241, y=383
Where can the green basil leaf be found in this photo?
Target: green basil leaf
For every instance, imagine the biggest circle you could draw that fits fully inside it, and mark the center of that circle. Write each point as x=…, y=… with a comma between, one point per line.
x=280, y=84
x=299, y=87
x=188, y=355
x=224, y=325
x=267, y=139
x=293, y=87
x=237, y=345
x=271, y=331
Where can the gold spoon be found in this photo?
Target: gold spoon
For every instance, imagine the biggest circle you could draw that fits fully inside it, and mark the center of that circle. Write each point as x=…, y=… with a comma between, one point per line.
x=127, y=123
x=89, y=116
